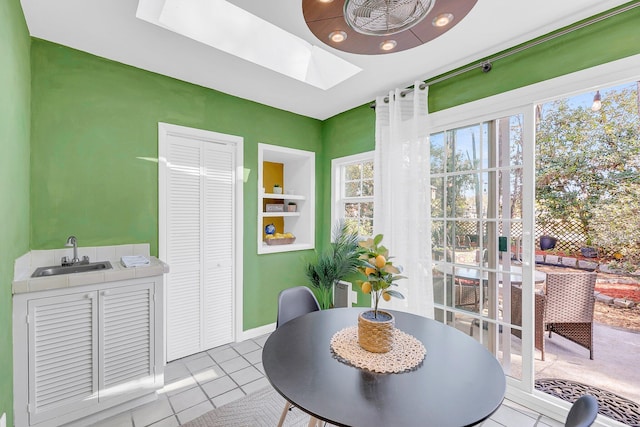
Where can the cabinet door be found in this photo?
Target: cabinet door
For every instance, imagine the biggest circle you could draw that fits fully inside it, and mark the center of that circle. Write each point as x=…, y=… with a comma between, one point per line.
x=62, y=357
x=126, y=362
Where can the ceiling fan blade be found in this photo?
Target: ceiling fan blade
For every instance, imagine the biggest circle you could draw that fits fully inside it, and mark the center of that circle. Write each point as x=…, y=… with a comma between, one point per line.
x=367, y=7
x=401, y=12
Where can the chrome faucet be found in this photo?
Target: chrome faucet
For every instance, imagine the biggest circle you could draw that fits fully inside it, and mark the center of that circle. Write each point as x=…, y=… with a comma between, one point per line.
x=73, y=242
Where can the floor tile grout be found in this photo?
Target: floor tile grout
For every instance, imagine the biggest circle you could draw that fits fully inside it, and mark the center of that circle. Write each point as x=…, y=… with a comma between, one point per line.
x=217, y=367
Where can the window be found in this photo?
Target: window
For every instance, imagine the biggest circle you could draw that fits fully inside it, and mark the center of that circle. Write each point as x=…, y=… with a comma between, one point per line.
x=352, y=192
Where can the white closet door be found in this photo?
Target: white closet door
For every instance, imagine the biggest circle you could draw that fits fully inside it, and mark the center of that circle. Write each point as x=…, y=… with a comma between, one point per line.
x=183, y=246
x=218, y=245
x=200, y=229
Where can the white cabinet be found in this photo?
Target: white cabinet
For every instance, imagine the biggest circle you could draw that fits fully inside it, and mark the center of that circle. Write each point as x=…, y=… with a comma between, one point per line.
x=78, y=351
x=294, y=171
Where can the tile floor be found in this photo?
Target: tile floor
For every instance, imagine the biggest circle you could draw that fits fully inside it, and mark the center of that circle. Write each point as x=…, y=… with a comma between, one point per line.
x=207, y=380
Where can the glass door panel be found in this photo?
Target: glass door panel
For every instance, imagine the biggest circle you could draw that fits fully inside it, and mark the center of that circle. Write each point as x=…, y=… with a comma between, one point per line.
x=477, y=228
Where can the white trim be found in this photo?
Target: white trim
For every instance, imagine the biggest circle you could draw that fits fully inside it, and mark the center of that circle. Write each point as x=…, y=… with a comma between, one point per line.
x=524, y=99
x=337, y=181
x=609, y=74
x=256, y=332
x=166, y=129
x=299, y=170
x=551, y=407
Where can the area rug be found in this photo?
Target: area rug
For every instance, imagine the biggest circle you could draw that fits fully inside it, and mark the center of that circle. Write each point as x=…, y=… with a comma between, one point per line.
x=260, y=409
x=610, y=404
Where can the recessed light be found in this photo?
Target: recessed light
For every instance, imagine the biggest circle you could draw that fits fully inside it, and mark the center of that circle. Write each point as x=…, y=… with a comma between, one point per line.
x=388, y=44
x=337, y=36
x=442, y=20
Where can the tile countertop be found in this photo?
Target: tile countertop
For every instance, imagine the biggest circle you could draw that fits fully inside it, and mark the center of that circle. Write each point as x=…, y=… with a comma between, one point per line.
x=116, y=273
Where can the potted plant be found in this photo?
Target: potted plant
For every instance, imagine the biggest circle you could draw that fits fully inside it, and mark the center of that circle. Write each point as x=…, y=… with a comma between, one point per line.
x=277, y=189
x=588, y=251
x=341, y=258
x=291, y=207
x=375, y=327
x=547, y=242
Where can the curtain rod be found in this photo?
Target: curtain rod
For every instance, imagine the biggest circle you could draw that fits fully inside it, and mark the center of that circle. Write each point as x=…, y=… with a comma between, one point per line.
x=486, y=65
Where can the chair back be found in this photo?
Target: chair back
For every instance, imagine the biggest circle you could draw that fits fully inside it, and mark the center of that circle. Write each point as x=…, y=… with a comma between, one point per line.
x=569, y=297
x=583, y=412
x=295, y=302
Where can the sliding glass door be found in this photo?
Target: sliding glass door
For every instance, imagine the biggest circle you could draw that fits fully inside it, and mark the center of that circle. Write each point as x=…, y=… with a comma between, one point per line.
x=482, y=194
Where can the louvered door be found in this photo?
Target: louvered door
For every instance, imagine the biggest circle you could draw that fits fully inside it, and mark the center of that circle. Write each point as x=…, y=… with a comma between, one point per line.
x=183, y=247
x=62, y=355
x=218, y=245
x=126, y=315
x=198, y=200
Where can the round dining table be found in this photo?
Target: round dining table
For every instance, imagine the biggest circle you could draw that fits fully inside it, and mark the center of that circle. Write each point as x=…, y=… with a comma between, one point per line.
x=459, y=382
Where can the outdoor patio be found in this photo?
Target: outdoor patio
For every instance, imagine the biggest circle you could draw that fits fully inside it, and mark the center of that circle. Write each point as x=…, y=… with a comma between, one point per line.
x=614, y=368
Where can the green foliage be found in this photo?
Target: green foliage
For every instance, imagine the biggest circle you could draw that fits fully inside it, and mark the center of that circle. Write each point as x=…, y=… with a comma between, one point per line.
x=588, y=170
x=379, y=271
x=338, y=261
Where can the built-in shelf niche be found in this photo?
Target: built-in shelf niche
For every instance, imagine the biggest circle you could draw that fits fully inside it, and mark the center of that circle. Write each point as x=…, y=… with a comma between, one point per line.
x=294, y=171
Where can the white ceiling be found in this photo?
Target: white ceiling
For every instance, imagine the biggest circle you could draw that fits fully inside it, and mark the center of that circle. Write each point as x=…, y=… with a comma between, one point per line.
x=110, y=29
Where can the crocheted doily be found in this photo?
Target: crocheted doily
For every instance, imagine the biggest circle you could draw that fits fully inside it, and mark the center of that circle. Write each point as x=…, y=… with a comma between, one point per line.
x=406, y=354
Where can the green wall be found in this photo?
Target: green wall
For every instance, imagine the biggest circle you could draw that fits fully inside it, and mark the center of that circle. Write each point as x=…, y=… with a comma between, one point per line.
x=94, y=127
x=15, y=97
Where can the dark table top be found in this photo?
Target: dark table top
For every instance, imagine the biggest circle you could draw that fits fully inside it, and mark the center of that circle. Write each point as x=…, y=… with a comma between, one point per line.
x=459, y=383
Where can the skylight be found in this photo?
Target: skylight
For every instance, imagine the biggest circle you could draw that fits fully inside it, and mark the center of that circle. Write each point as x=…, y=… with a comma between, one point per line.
x=231, y=29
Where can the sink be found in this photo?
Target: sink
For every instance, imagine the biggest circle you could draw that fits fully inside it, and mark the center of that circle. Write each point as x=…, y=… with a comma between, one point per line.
x=68, y=269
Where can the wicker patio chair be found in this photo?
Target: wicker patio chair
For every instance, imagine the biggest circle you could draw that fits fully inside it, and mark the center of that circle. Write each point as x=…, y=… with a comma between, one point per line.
x=566, y=308
x=569, y=307
x=467, y=294
x=516, y=316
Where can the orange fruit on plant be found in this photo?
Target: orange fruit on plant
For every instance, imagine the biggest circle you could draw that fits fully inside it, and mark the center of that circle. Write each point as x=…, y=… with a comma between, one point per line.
x=386, y=296
x=369, y=271
x=366, y=287
x=380, y=261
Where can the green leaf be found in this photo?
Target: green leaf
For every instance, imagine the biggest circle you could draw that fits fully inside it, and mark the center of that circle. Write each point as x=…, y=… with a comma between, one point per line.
x=366, y=243
x=389, y=268
x=395, y=294
x=377, y=239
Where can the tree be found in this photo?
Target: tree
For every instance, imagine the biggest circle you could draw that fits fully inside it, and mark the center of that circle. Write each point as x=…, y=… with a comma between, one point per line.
x=588, y=164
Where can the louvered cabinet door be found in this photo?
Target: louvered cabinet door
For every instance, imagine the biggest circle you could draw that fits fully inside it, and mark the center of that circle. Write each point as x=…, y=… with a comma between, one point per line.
x=126, y=317
x=218, y=244
x=62, y=355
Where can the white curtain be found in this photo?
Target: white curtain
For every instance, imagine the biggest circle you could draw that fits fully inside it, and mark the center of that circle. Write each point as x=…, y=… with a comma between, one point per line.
x=402, y=192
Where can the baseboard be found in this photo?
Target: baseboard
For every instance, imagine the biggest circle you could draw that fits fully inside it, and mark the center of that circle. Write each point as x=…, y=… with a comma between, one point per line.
x=256, y=332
